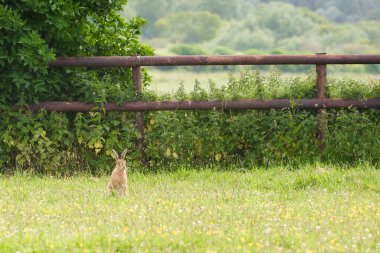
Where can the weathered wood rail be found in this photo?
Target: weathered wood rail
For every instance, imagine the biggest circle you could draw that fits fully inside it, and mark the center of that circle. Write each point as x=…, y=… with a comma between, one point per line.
x=194, y=60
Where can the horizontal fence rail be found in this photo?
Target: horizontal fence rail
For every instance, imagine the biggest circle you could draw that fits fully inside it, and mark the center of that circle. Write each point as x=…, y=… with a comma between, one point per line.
x=133, y=61
x=244, y=104
x=321, y=103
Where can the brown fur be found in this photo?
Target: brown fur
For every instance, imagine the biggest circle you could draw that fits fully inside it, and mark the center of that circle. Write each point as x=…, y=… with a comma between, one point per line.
x=119, y=181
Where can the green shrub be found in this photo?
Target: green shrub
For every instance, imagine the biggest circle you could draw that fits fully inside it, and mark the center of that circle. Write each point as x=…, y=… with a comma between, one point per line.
x=183, y=49
x=220, y=50
x=65, y=143
x=264, y=137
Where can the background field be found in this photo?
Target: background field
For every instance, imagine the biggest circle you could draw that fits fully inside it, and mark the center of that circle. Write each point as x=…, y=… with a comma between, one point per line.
x=316, y=208
x=164, y=81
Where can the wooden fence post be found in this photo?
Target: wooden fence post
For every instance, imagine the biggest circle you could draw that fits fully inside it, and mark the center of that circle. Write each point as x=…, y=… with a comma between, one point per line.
x=137, y=85
x=321, y=70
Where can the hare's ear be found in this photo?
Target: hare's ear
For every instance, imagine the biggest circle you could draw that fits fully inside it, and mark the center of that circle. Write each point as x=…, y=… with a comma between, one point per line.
x=124, y=153
x=115, y=153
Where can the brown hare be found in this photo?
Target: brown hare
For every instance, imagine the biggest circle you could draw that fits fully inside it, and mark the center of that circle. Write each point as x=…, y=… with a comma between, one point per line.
x=119, y=181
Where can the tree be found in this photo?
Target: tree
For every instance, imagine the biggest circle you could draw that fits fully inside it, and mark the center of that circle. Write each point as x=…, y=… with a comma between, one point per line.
x=189, y=27
x=341, y=11
x=269, y=24
x=34, y=32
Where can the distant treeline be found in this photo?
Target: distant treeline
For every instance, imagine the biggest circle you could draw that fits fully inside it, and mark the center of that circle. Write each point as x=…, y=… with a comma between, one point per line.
x=334, y=26
x=340, y=11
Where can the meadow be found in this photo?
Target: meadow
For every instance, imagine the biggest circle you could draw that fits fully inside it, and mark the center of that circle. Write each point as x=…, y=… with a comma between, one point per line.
x=165, y=80
x=316, y=208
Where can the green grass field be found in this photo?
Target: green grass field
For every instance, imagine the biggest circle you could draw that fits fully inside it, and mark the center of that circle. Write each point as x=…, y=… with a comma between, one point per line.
x=169, y=81
x=314, y=209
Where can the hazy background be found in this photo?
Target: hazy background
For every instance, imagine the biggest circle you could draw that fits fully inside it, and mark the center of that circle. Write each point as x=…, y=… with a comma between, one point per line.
x=221, y=27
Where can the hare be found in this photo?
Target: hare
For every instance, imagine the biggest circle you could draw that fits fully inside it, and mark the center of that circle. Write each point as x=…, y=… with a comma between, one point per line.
x=119, y=180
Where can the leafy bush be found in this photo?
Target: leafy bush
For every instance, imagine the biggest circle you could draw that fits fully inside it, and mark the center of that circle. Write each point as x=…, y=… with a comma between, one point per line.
x=264, y=137
x=220, y=50
x=32, y=33
x=183, y=49
x=66, y=143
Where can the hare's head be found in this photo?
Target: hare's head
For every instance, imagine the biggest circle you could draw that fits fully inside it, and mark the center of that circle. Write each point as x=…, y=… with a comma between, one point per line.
x=120, y=162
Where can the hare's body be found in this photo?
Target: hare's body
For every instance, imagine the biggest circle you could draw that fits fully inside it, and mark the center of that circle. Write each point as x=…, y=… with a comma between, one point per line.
x=119, y=181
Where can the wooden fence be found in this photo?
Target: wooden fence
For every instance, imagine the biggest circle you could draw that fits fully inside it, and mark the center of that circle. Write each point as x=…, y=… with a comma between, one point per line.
x=320, y=103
